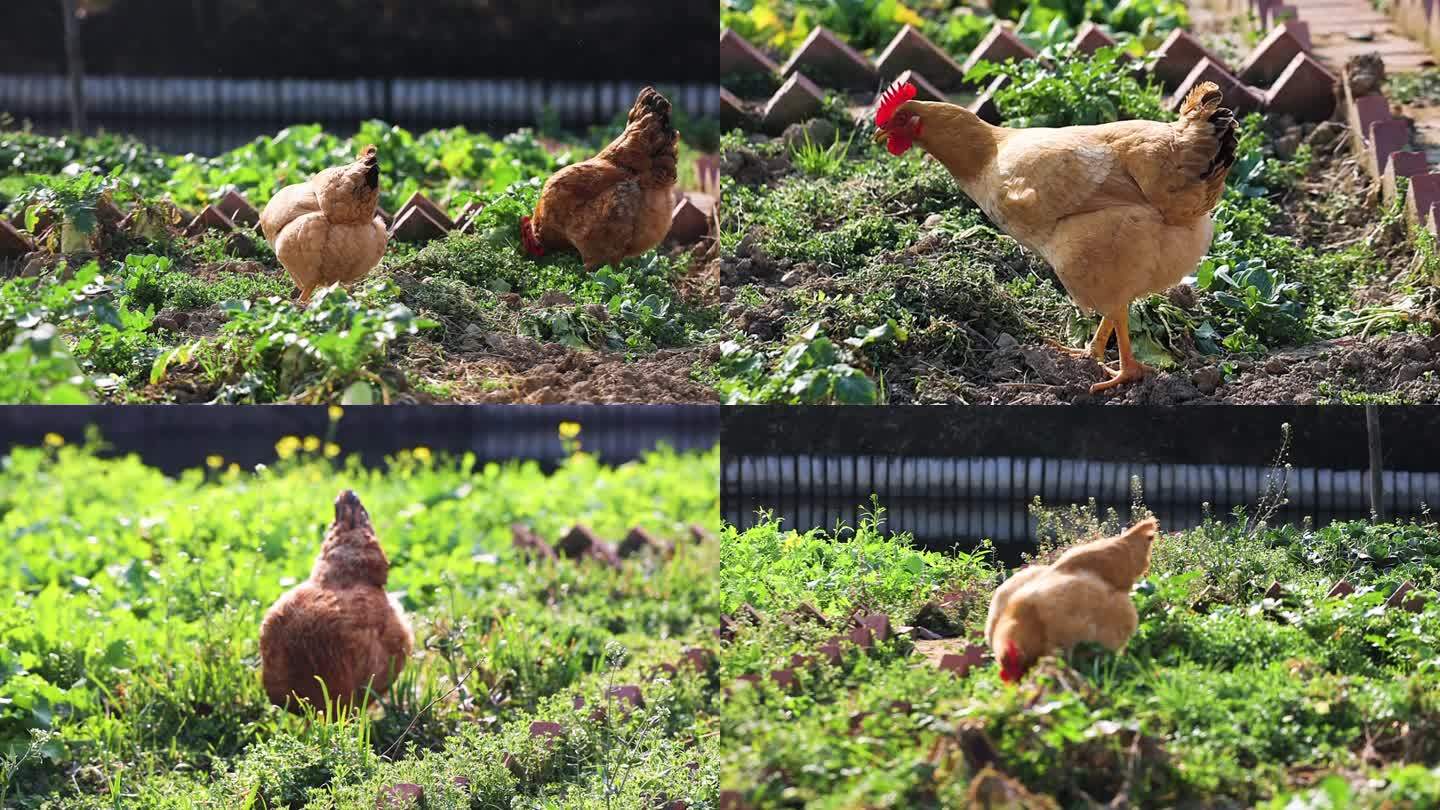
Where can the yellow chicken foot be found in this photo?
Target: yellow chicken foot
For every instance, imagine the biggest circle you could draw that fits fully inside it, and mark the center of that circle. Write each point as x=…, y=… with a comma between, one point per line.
x=1096, y=349
x=1131, y=369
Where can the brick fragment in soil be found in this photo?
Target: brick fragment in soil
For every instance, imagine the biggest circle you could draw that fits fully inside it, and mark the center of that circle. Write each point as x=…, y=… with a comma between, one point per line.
x=238, y=209
x=209, y=218
x=688, y=224
x=527, y=541
x=1238, y=96
x=824, y=53
x=639, y=540
x=1402, y=164
x=418, y=200
x=697, y=658
x=1178, y=55
x=628, y=695
x=581, y=542
x=13, y=243
x=957, y=655
x=984, y=104
x=733, y=112
x=400, y=797
x=739, y=57
x=998, y=46
x=549, y=731
x=911, y=50
x=417, y=225
x=1267, y=60
x=796, y=100
x=1090, y=38
x=1405, y=598
x=467, y=215
x=1304, y=90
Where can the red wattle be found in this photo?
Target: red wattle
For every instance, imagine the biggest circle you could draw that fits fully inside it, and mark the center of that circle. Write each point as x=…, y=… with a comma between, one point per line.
x=528, y=238
x=898, y=144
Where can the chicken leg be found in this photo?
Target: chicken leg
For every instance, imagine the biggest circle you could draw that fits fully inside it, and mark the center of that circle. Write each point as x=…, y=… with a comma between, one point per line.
x=1130, y=368
x=1096, y=347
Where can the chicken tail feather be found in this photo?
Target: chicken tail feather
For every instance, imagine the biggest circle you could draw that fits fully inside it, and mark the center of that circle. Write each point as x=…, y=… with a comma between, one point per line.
x=350, y=514
x=1143, y=532
x=1119, y=560
x=1202, y=104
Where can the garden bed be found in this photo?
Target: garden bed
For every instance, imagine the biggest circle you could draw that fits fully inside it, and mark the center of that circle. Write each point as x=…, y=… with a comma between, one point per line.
x=1254, y=679
x=573, y=681
x=850, y=275
x=150, y=307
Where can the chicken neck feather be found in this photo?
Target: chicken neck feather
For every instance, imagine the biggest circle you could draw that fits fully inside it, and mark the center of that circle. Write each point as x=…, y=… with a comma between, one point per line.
x=957, y=138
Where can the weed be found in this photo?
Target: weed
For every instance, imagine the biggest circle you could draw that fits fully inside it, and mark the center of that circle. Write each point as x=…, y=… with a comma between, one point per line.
x=1222, y=695
x=160, y=699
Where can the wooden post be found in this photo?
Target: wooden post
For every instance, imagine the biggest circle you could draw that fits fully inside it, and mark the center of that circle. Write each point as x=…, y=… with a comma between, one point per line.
x=1377, y=470
x=75, y=64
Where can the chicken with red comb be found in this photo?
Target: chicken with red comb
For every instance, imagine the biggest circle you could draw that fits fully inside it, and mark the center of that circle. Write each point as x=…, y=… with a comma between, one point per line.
x=1119, y=210
x=617, y=204
x=1083, y=596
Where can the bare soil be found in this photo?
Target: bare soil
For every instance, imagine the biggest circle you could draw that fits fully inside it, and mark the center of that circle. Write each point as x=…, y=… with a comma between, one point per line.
x=513, y=369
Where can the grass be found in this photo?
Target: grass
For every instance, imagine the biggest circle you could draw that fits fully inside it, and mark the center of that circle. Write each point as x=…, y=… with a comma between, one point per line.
x=1224, y=697
x=157, y=704
x=163, y=295
x=843, y=249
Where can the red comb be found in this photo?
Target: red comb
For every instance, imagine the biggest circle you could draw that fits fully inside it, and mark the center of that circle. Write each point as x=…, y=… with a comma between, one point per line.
x=895, y=96
x=1010, y=663
x=529, y=238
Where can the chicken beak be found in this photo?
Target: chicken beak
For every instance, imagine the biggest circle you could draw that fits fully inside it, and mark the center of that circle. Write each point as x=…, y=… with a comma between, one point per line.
x=880, y=135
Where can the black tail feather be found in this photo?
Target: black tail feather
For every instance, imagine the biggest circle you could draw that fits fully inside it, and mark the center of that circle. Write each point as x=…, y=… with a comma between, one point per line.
x=1223, y=122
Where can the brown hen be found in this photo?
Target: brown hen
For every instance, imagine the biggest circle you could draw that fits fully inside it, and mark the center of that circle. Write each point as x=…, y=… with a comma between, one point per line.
x=618, y=203
x=324, y=230
x=339, y=626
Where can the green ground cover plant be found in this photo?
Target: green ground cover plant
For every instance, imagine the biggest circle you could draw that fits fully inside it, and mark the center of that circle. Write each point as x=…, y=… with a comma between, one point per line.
x=1229, y=694
x=869, y=25
x=157, y=703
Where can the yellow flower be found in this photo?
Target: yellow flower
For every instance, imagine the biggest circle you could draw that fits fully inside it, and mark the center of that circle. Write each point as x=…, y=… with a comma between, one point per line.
x=422, y=454
x=331, y=449
x=312, y=443
x=214, y=462
x=906, y=16
x=286, y=447
x=569, y=430
x=54, y=440
x=233, y=469
x=336, y=412
x=764, y=18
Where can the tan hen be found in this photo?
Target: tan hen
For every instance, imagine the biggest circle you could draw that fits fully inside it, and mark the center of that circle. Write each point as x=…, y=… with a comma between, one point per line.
x=325, y=230
x=1119, y=210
